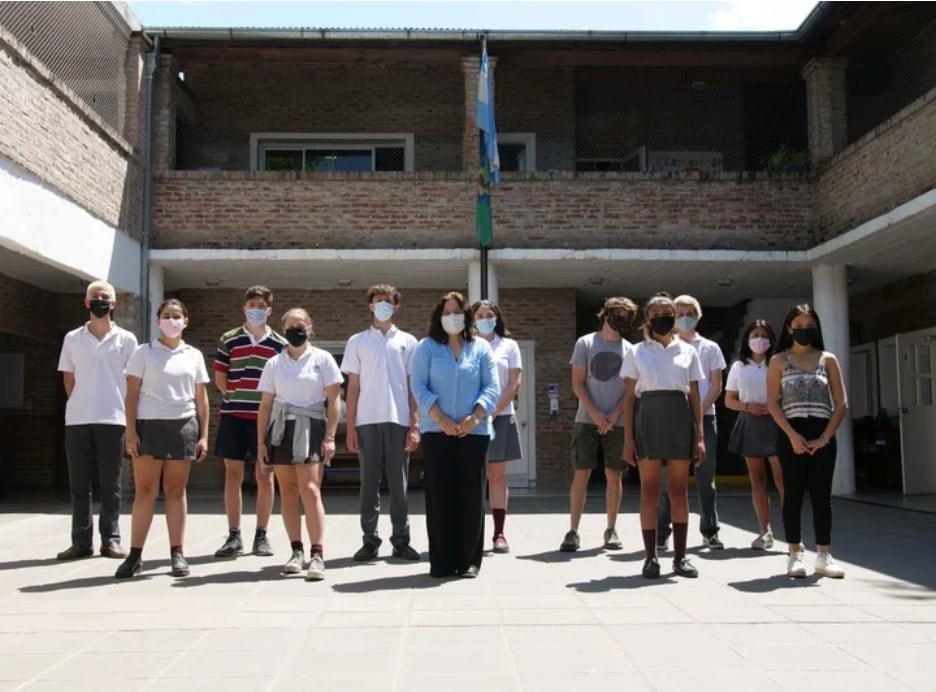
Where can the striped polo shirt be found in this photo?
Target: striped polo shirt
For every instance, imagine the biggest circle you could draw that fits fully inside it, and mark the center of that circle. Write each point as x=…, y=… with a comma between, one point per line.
x=241, y=357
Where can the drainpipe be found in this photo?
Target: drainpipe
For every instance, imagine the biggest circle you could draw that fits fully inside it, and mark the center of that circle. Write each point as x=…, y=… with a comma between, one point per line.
x=152, y=58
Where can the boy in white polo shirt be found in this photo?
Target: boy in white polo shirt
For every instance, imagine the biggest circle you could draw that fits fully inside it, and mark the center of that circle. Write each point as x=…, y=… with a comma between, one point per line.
x=92, y=364
x=382, y=419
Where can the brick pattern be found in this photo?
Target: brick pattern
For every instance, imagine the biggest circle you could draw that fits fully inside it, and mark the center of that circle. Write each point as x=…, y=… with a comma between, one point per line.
x=826, y=107
x=85, y=160
x=384, y=210
x=890, y=165
x=904, y=306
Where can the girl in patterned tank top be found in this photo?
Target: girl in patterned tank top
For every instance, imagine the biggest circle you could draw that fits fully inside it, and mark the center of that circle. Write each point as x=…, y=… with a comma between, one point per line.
x=807, y=399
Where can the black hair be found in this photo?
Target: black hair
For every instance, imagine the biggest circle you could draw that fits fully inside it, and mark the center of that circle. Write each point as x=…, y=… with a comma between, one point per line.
x=745, y=355
x=171, y=301
x=436, y=332
x=785, y=342
x=500, y=328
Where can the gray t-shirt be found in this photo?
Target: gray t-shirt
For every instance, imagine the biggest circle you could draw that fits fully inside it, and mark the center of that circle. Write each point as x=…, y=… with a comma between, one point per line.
x=602, y=362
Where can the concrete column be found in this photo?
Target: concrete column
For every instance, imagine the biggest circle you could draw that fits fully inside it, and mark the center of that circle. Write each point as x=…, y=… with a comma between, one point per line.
x=830, y=299
x=157, y=292
x=164, y=115
x=474, y=281
x=826, y=107
x=471, y=66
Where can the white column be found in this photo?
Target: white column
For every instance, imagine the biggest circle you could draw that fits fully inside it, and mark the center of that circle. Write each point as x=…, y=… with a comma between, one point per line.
x=830, y=299
x=474, y=282
x=157, y=291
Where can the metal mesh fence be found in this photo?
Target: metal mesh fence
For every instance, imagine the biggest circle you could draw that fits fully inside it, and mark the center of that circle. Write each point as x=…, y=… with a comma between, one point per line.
x=84, y=44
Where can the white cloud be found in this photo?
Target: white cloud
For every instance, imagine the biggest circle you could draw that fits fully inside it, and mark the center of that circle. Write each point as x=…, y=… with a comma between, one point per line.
x=760, y=15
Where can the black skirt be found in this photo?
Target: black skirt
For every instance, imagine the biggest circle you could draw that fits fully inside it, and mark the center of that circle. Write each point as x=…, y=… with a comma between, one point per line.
x=753, y=436
x=663, y=426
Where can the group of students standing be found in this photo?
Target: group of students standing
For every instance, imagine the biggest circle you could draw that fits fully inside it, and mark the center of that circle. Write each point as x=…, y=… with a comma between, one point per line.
x=650, y=405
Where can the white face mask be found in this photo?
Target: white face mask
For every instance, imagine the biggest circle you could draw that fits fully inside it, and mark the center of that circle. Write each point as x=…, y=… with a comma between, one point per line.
x=171, y=326
x=383, y=310
x=255, y=316
x=453, y=324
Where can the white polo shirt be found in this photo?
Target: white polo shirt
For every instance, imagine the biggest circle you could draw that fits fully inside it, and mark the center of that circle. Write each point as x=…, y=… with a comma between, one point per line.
x=382, y=362
x=749, y=380
x=98, y=367
x=169, y=376
x=710, y=358
x=659, y=368
x=300, y=382
x=507, y=355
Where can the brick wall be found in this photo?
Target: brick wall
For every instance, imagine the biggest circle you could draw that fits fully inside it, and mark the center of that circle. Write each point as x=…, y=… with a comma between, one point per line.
x=277, y=210
x=339, y=314
x=904, y=306
x=50, y=133
x=890, y=165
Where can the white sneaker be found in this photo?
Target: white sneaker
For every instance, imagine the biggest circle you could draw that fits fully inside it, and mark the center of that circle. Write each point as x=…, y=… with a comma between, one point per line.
x=828, y=567
x=795, y=565
x=293, y=564
x=763, y=542
x=316, y=569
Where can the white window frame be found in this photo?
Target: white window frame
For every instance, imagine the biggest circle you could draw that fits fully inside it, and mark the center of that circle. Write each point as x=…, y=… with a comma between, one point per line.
x=527, y=139
x=260, y=141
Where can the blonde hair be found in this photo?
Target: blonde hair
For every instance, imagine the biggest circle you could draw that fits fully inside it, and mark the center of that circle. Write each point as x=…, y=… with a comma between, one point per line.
x=689, y=301
x=100, y=285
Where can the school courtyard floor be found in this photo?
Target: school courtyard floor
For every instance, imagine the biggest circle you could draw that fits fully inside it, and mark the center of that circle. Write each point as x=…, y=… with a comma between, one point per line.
x=535, y=620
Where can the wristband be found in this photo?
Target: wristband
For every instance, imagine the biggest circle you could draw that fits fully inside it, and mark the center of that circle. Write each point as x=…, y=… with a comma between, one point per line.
x=329, y=439
x=477, y=421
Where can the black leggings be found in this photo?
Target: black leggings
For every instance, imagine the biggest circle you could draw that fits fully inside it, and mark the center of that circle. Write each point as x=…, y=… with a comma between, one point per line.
x=802, y=472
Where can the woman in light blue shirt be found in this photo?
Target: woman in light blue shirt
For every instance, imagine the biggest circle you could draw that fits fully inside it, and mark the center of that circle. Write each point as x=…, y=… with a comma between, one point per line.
x=454, y=381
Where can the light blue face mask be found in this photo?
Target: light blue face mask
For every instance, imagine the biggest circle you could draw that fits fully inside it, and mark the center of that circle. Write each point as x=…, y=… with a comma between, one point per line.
x=486, y=326
x=687, y=323
x=383, y=310
x=256, y=316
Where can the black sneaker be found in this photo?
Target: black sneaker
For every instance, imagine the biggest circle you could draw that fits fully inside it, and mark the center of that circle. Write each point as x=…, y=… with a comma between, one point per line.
x=180, y=566
x=684, y=568
x=713, y=542
x=651, y=568
x=261, y=545
x=129, y=568
x=366, y=553
x=405, y=552
x=570, y=543
x=232, y=547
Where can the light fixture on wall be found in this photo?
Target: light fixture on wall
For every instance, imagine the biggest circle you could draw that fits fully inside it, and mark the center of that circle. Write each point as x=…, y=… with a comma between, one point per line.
x=344, y=283
x=212, y=283
x=596, y=280
x=724, y=283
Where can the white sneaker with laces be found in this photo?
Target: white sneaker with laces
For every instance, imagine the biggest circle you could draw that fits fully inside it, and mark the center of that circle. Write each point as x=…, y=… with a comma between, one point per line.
x=316, y=570
x=293, y=564
x=763, y=542
x=828, y=567
x=795, y=565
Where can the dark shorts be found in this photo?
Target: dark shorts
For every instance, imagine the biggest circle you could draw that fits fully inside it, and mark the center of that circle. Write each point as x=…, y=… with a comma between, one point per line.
x=236, y=438
x=168, y=439
x=283, y=454
x=506, y=443
x=585, y=443
x=663, y=426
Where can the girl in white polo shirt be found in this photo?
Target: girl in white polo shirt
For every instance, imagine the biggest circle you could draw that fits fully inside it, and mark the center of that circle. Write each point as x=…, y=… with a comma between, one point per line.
x=299, y=409
x=167, y=429
x=663, y=424
x=754, y=435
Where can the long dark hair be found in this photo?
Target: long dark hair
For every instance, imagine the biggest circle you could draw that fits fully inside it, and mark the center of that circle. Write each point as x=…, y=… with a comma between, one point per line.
x=500, y=328
x=745, y=355
x=435, y=321
x=785, y=342
x=175, y=302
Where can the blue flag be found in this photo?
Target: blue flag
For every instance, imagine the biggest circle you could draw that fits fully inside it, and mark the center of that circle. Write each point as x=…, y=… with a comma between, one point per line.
x=490, y=160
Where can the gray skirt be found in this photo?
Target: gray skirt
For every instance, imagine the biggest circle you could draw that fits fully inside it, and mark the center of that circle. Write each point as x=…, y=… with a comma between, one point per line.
x=168, y=439
x=753, y=436
x=506, y=443
x=663, y=426
x=283, y=453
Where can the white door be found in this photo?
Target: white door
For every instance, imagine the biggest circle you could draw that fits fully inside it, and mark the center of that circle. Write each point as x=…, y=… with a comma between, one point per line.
x=917, y=398
x=862, y=381
x=521, y=473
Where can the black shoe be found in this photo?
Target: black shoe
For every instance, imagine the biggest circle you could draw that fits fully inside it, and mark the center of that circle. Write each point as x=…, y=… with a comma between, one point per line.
x=74, y=552
x=368, y=552
x=570, y=543
x=129, y=568
x=261, y=545
x=684, y=568
x=470, y=573
x=405, y=552
x=232, y=547
x=180, y=566
x=651, y=568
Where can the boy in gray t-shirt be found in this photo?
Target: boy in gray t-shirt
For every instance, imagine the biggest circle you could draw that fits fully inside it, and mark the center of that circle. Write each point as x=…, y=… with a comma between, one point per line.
x=596, y=366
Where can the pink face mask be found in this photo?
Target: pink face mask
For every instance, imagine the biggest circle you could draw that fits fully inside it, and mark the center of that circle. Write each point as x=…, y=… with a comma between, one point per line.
x=171, y=326
x=759, y=344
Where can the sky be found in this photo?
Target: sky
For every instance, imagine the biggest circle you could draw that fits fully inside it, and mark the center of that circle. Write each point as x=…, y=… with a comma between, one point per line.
x=610, y=15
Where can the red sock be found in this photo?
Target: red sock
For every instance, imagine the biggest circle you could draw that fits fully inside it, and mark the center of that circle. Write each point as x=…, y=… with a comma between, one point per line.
x=317, y=549
x=500, y=516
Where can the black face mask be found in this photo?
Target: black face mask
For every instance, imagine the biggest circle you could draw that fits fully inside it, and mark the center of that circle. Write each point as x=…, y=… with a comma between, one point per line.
x=296, y=336
x=617, y=323
x=99, y=308
x=806, y=336
x=663, y=325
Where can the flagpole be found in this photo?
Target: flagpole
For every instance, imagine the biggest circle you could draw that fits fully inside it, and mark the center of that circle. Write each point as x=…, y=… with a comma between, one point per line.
x=483, y=246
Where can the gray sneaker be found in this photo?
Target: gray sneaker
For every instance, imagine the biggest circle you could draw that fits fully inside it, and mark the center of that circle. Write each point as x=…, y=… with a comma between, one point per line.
x=713, y=542
x=570, y=543
x=293, y=564
x=261, y=545
x=611, y=540
x=316, y=570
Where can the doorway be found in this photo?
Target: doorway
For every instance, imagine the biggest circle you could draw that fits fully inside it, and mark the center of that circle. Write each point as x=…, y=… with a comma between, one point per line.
x=521, y=473
x=916, y=382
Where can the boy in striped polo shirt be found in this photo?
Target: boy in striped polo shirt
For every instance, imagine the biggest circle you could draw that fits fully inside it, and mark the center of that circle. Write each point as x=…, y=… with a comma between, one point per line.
x=241, y=355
